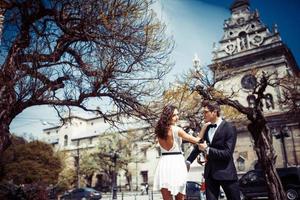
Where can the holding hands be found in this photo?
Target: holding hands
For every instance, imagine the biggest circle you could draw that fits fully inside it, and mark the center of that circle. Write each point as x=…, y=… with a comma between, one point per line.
x=202, y=146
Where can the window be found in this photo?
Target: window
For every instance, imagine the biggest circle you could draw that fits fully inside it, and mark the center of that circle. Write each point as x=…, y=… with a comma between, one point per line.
x=269, y=101
x=145, y=176
x=144, y=152
x=91, y=140
x=66, y=140
x=251, y=101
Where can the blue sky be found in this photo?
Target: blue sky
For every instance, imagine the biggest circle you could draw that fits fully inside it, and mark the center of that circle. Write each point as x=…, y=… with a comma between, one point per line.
x=195, y=25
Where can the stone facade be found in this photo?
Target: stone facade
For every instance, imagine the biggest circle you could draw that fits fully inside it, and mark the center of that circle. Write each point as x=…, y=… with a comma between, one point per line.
x=248, y=49
x=1, y=21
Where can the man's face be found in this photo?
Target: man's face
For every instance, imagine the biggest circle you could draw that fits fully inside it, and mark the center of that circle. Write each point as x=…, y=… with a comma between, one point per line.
x=209, y=116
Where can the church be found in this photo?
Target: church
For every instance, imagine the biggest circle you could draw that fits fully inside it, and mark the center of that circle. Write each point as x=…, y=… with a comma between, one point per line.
x=248, y=49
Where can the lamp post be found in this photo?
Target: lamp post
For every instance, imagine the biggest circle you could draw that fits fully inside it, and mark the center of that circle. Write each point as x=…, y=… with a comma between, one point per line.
x=281, y=134
x=114, y=157
x=120, y=186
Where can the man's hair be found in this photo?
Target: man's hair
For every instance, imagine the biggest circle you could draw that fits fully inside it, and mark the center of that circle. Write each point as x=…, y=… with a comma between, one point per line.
x=212, y=106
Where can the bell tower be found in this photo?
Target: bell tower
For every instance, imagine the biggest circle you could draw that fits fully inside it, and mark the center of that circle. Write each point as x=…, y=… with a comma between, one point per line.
x=247, y=49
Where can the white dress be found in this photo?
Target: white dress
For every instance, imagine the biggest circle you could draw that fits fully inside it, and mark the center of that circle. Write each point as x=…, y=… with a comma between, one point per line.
x=171, y=172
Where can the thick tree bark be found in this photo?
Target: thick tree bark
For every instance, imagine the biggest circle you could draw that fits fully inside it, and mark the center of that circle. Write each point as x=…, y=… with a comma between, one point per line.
x=4, y=138
x=7, y=107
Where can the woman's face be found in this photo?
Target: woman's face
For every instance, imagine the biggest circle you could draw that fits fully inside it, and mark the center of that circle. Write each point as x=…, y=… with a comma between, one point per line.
x=174, y=117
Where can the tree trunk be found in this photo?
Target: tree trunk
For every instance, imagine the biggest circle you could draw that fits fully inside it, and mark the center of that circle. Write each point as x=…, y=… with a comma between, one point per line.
x=8, y=109
x=266, y=157
x=4, y=138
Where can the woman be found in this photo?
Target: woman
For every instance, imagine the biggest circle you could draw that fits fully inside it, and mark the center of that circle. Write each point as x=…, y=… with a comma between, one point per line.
x=171, y=172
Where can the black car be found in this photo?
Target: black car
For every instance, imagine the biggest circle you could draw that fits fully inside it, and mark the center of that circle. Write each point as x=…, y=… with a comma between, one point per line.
x=81, y=194
x=193, y=191
x=253, y=184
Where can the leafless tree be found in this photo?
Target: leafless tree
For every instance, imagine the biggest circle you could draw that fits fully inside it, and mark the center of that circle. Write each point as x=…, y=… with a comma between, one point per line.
x=65, y=52
x=205, y=83
x=290, y=93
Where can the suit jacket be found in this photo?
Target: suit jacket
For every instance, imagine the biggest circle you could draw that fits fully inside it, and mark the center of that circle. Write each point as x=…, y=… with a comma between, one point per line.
x=219, y=165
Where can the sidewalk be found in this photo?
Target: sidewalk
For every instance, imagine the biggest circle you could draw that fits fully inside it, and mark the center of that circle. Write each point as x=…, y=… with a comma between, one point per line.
x=133, y=196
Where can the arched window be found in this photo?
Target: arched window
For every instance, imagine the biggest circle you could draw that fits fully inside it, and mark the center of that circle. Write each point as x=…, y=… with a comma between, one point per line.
x=251, y=101
x=269, y=101
x=66, y=140
x=244, y=40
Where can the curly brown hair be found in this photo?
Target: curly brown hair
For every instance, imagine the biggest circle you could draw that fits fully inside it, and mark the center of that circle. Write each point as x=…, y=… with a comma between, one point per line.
x=163, y=124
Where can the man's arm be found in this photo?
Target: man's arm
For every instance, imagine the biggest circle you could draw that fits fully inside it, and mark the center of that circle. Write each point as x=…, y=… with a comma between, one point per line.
x=193, y=155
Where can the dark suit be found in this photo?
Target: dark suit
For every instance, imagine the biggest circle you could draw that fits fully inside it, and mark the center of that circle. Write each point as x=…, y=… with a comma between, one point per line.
x=219, y=169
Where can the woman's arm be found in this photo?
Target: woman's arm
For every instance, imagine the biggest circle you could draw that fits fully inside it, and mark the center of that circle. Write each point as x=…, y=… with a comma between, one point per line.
x=185, y=136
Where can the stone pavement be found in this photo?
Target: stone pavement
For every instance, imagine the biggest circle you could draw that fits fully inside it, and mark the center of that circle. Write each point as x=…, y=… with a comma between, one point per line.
x=133, y=196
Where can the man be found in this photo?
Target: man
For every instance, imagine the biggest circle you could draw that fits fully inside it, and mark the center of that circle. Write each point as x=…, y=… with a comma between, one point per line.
x=219, y=143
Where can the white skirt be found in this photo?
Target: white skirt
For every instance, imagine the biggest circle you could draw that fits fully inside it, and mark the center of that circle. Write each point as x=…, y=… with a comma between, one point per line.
x=171, y=173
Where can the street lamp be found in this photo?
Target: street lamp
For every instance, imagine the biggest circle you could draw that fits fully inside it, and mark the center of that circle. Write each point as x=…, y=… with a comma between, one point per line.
x=120, y=186
x=114, y=156
x=281, y=134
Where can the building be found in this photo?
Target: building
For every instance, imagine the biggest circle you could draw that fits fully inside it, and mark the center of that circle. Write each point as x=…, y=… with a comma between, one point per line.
x=247, y=49
x=1, y=20
x=79, y=134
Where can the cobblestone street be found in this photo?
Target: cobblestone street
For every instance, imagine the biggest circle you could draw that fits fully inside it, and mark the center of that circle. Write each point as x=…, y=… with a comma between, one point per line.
x=136, y=196
x=133, y=196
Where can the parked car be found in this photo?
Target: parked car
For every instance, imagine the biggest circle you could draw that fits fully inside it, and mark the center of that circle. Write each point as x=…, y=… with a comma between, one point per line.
x=253, y=184
x=193, y=191
x=82, y=193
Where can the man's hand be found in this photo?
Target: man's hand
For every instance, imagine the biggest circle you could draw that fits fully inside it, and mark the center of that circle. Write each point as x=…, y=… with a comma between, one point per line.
x=202, y=146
